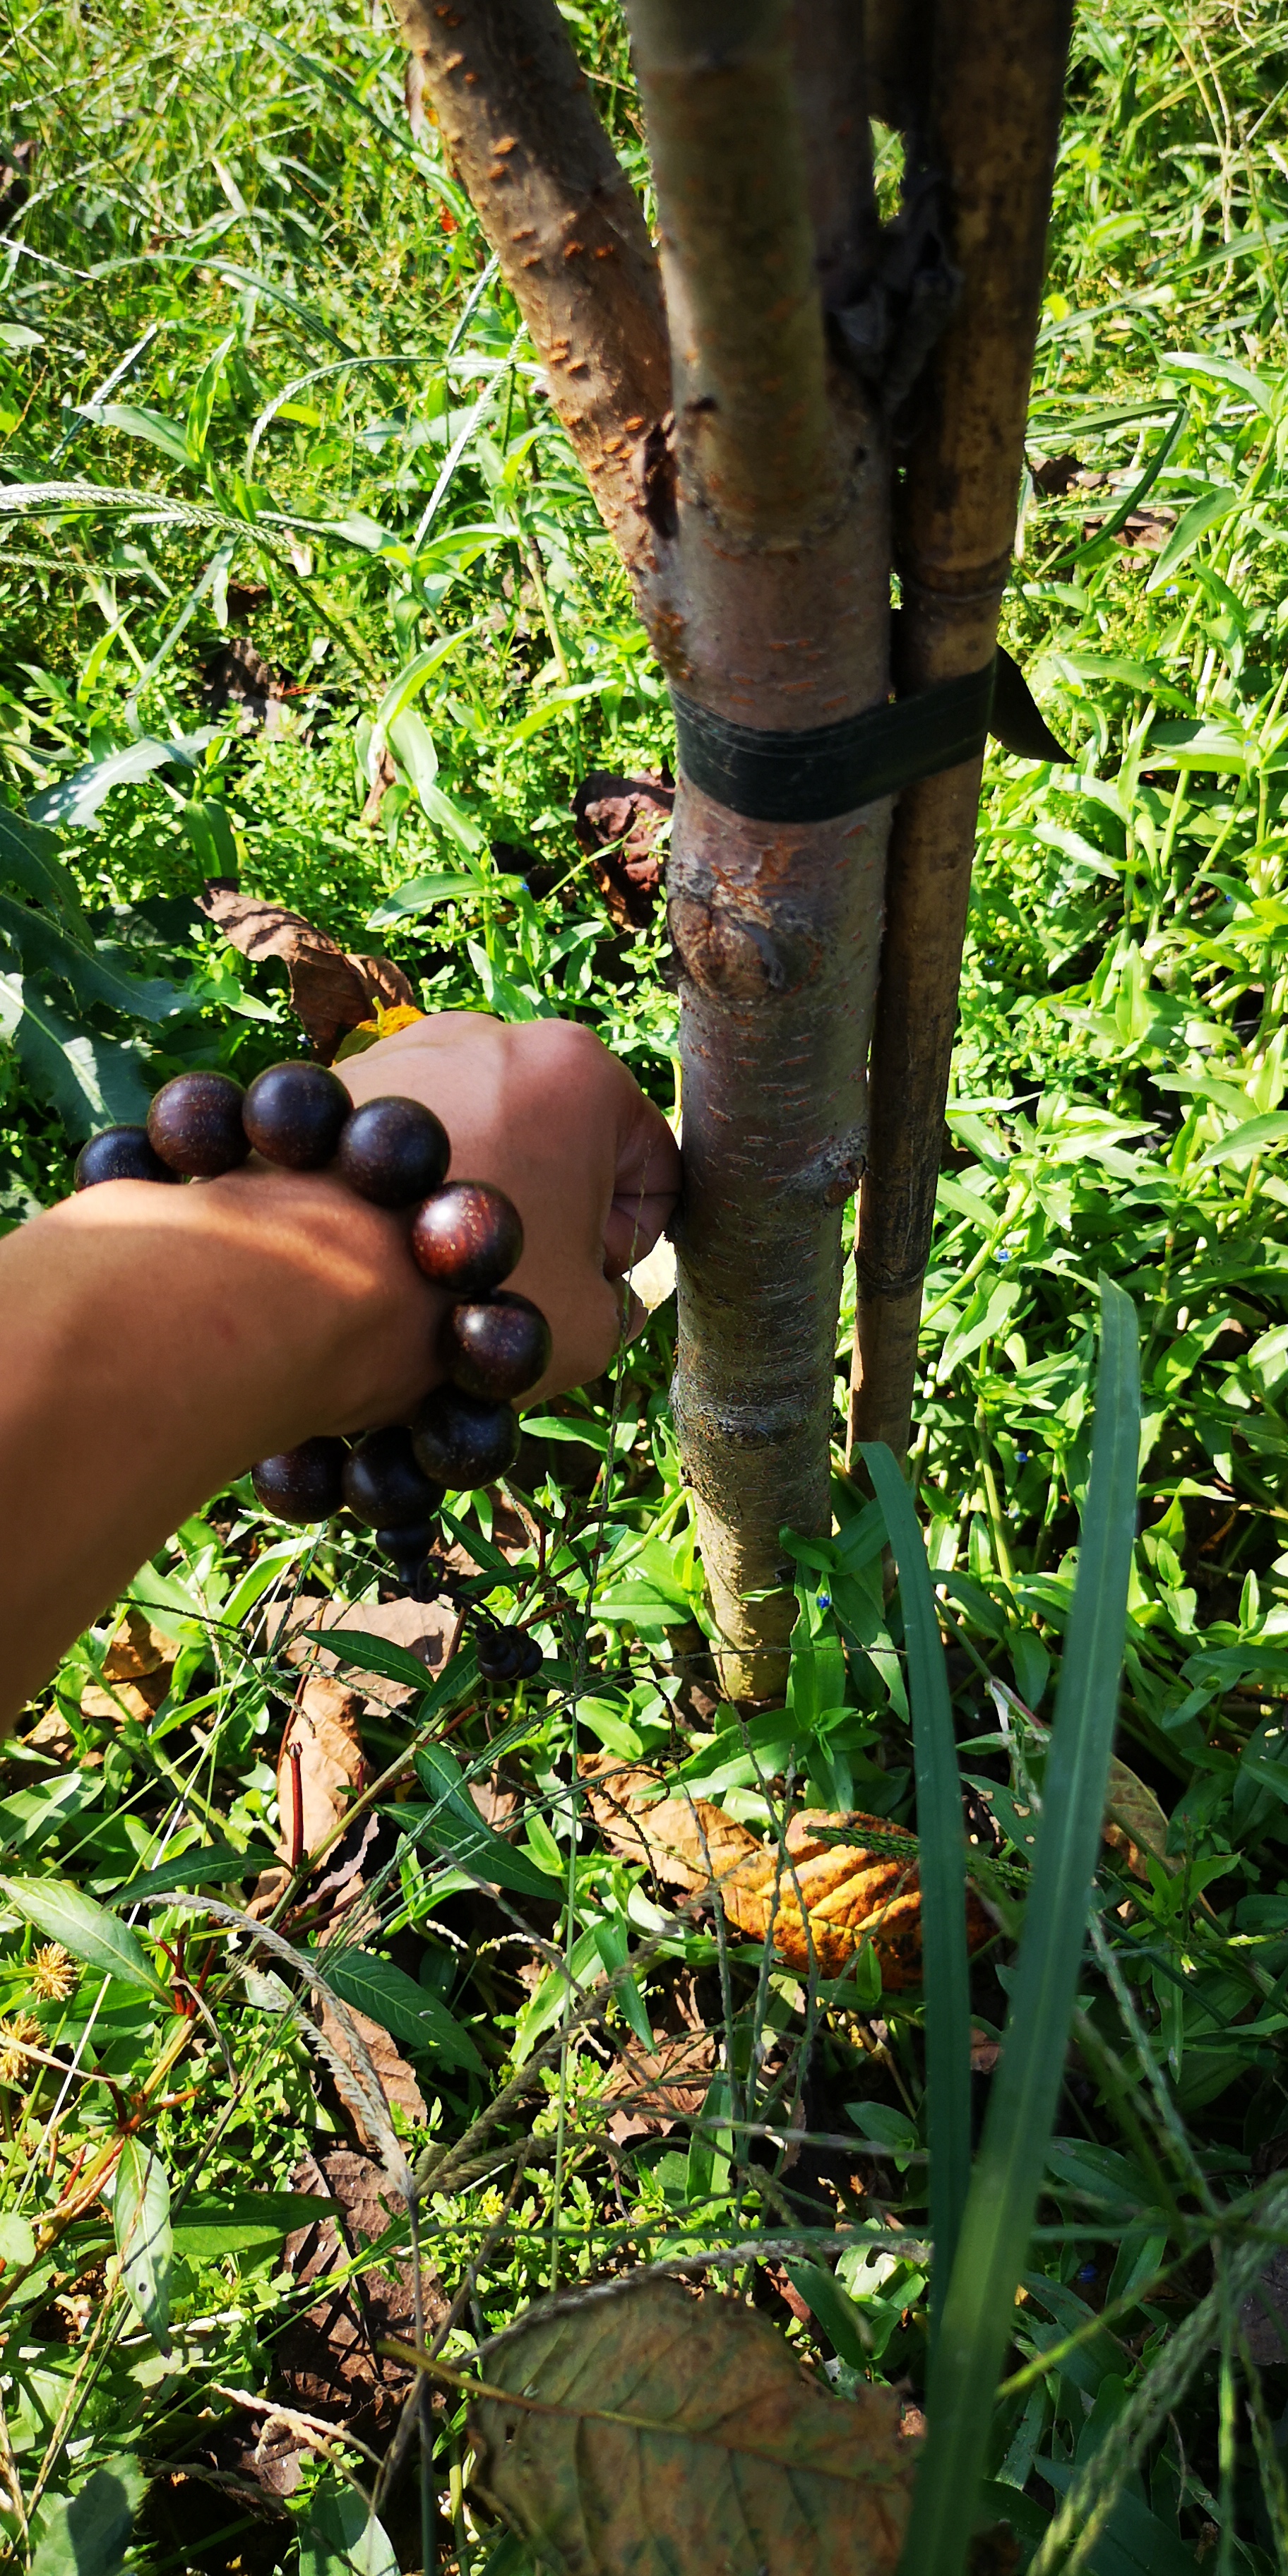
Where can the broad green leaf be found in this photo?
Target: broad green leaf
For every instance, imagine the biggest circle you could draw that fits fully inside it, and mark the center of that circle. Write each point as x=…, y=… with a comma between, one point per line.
x=684, y=2436
x=243, y=2222
x=138, y=420
x=89, y=1080
x=205, y=1865
x=941, y=1842
x=28, y=859
x=980, y=2306
x=340, y=2536
x=413, y=744
x=141, y=2226
x=1255, y=1136
x=210, y=833
x=63, y=1914
x=420, y=894
x=87, y=2534
x=48, y=950
x=1190, y=527
x=76, y=800
x=374, y=1986
x=401, y=692
x=839, y=2316
x=455, y=1828
x=373, y=1655
x=17, y=2240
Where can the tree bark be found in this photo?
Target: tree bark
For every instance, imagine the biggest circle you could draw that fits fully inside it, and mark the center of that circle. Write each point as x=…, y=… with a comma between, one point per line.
x=756, y=529
x=992, y=129
x=774, y=613
x=523, y=134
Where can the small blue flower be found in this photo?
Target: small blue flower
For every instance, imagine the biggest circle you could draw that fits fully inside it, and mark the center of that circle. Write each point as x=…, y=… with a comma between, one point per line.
x=825, y=1600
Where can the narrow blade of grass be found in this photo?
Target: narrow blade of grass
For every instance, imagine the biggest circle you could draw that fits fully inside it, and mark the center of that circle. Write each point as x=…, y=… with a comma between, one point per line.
x=979, y=2308
x=942, y=1869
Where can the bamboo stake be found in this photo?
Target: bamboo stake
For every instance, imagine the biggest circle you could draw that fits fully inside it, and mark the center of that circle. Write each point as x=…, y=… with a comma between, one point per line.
x=992, y=127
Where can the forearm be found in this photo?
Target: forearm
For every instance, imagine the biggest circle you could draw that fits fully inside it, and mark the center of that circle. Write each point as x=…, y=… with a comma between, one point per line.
x=155, y=1343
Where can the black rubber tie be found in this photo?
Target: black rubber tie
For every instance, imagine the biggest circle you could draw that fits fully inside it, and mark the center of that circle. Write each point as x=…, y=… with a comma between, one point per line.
x=833, y=769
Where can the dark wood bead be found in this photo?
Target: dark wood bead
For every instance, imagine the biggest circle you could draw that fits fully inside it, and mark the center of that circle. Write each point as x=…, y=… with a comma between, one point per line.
x=462, y=1442
x=498, y=1348
x=468, y=1237
x=384, y=1485
x=304, y=1484
x=119, y=1154
x=508, y=1655
x=293, y=1115
x=408, y=1551
x=195, y=1125
x=394, y=1151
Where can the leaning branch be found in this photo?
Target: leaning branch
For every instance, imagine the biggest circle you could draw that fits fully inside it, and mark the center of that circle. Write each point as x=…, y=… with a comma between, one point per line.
x=996, y=86
x=522, y=133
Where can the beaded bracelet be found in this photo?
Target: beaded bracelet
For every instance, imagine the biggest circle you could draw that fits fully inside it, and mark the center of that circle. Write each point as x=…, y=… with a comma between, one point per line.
x=465, y=1236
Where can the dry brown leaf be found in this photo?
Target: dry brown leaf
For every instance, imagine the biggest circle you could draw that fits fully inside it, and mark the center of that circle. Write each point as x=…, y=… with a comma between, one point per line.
x=327, y=2359
x=619, y=821
x=652, y=2088
x=826, y=1878
x=330, y=991
x=321, y=1765
x=1135, y=1822
x=661, y=2429
x=425, y=1628
x=397, y=2082
x=137, y=1665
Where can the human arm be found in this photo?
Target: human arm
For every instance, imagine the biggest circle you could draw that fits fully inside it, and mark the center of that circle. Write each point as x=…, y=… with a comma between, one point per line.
x=157, y=1340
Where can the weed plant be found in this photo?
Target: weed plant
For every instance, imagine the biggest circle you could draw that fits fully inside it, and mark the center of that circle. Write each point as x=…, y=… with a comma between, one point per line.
x=258, y=385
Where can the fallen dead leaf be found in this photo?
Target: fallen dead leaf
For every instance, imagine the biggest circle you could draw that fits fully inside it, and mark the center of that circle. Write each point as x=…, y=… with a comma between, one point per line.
x=619, y=821
x=824, y=1895
x=331, y=991
x=327, y=2359
x=137, y=1664
x=425, y=1628
x=682, y=2431
x=397, y=2082
x=321, y=1765
x=652, y=2088
x=1135, y=1823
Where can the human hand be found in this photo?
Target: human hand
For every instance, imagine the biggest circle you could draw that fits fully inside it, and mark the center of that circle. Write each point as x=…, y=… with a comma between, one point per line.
x=544, y=1112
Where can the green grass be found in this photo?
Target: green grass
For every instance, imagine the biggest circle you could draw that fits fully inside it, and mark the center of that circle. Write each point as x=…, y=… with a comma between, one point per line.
x=236, y=215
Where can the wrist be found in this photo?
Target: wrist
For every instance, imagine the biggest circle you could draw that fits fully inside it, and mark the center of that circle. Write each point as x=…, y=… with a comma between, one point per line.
x=294, y=1300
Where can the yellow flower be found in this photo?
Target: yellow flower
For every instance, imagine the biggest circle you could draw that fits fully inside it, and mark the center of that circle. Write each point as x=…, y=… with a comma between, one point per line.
x=53, y=1973
x=16, y=2069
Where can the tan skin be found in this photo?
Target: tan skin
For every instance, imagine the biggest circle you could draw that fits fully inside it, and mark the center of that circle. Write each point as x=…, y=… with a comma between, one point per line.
x=158, y=1340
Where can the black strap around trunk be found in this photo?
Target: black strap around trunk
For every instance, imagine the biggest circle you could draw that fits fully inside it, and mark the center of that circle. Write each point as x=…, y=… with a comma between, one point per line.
x=833, y=769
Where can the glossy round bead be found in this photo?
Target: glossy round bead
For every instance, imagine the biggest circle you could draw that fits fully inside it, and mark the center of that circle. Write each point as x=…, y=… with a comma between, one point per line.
x=408, y=1552
x=408, y=1544
x=293, y=1115
x=384, y=1485
x=497, y=1349
x=394, y=1151
x=304, y=1484
x=195, y=1125
x=463, y=1442
x=119, y=1154
x=467, y=1237
x=508, y=1655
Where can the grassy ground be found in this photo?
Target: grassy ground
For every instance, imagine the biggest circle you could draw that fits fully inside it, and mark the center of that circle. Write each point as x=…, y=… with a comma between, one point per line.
x=250, y=309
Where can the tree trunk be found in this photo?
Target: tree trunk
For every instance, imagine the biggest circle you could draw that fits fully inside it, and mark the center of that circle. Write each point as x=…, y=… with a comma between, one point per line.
x=776, y=617
x=994, y=111
x=756, y=528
